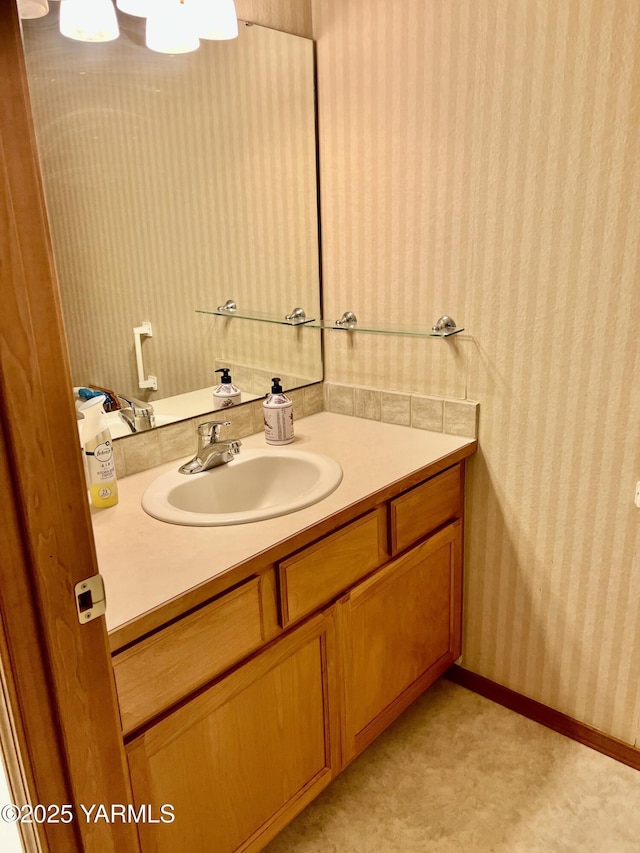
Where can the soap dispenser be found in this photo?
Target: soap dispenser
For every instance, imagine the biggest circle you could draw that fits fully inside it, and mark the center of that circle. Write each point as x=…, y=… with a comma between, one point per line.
x=278, y=415
x=225, y=394
x=98, y=451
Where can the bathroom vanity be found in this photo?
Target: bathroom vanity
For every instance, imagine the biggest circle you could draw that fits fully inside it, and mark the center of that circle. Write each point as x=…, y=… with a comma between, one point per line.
x=253, y=663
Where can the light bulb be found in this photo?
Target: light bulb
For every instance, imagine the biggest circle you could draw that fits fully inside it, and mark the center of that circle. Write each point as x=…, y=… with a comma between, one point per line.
x=171, y=27
x=88, y=20
x=32, y=8
x=216, y=19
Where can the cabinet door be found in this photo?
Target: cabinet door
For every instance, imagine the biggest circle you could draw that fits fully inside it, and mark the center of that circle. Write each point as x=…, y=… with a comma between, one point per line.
x=398, y=631
x=238, y=761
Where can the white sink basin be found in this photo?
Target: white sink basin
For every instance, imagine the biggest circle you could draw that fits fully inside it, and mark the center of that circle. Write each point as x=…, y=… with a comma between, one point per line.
x=255, y=485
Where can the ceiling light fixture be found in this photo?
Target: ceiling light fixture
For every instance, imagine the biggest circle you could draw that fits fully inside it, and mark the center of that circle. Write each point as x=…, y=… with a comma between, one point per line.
x=173, y=26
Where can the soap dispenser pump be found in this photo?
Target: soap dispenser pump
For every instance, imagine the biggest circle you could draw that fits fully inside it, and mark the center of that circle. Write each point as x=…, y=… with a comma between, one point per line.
x=225, y=394
x=278, y=415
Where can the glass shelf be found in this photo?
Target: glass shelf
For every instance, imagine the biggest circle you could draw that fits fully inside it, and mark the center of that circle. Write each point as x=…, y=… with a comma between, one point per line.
x=370, y=328
x=387, y=329
x=260, y=317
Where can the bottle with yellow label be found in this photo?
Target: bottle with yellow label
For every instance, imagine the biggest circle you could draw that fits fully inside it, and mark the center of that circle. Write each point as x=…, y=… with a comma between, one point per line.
x=98, y=450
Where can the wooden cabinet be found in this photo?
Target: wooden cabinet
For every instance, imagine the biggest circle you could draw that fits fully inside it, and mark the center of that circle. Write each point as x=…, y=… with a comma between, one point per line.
x=239, y=760
x=419, y=511
x=158, y=671
x=398, y=631
x=244, y=728
x=319, y=572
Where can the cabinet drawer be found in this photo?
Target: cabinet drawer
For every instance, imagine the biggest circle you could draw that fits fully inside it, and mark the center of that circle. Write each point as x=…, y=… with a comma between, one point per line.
x=320, y=572
x=162, y=669
x=419, y=511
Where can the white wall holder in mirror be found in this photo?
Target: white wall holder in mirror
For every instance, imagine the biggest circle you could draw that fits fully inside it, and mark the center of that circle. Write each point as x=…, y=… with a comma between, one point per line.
x=139, y=332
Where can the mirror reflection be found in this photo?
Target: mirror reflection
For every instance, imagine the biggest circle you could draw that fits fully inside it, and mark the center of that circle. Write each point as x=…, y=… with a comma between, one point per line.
x=175, y=183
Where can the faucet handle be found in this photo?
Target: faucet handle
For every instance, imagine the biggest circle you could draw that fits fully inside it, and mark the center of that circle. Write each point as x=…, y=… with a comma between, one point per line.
x=138, y=408
x=209, y=431
x=137, y=415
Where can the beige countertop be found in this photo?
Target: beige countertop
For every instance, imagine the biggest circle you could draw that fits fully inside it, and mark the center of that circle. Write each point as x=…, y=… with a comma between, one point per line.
x=146, y=563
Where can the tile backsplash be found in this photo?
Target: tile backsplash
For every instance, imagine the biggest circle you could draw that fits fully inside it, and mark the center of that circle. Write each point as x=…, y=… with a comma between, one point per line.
x=135, y=453
x=439, y=414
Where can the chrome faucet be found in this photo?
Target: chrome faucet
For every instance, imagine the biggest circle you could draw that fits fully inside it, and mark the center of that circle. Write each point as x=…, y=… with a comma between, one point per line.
x=211, y=451
x=138, y=416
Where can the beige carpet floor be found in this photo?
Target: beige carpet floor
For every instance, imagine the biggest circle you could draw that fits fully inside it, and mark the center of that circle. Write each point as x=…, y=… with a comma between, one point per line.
x=459, y=773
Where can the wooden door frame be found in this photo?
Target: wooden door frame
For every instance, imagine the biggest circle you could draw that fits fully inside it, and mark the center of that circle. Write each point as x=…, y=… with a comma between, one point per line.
x=56, y=673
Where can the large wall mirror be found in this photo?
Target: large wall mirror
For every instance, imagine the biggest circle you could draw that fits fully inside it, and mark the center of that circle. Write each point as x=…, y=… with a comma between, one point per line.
x=175, y=183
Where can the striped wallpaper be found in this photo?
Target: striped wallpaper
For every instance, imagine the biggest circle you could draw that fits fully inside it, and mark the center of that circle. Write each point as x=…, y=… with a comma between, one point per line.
x=175, y=183
x=290, y=16
x=482, y=158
